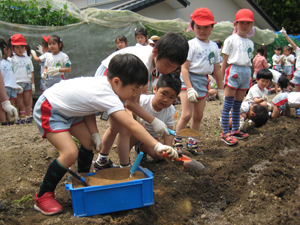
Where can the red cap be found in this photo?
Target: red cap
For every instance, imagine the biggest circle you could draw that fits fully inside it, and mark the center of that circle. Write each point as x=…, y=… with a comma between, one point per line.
x=18, y=39
x=46, y=38
x=244, y=15
x=203, y=17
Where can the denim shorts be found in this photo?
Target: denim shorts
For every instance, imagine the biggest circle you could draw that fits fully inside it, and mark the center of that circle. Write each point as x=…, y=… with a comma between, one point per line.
x=199, y=82
x=25, y=86
x=288, y=70
x=50, y=120
x=11, y=93
x=238, y=77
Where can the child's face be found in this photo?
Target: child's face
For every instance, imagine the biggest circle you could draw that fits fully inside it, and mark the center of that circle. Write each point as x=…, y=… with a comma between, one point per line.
x=120, y=44
x=53, y=46
x=243, y=27
x=141, y=39
x=19, y=49
x=286, y=52
x=125, y=92
x=277, y=52
x=262, y=83
x=164, y=65
x=203, y=32
x=164, y=97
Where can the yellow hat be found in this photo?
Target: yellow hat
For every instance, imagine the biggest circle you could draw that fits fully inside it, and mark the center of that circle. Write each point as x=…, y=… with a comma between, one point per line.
x=155, y=38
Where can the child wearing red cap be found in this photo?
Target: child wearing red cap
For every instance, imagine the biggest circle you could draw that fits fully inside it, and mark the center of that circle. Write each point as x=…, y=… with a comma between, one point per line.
x=203, y=59
x=237, y=53
x=45, y=53
x=23, y=70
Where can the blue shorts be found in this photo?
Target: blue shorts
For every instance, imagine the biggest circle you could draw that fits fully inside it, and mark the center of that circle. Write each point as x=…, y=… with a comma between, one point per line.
x=288, y=70
x=199, y=82
x=25, y=86
x=50, y=120
x=277, y=67
x=11, y=93
x=281, y=101
x=296, y=78
x=100, y=71
x=49, y=82
x=238, y=77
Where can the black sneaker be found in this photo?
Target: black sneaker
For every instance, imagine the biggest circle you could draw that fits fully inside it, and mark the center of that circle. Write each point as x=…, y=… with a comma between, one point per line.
x=194, y=149
x=104, y=163
x=178, y=146
x=28, y=121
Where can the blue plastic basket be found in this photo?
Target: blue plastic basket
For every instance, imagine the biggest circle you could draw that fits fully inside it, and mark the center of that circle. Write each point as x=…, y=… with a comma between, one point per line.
x=89, y=201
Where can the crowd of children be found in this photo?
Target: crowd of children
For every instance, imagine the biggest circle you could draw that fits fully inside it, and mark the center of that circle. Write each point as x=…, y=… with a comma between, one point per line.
x=135, y=87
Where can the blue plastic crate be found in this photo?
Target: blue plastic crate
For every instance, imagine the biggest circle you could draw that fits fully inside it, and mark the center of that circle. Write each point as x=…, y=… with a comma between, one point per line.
x=89, y=201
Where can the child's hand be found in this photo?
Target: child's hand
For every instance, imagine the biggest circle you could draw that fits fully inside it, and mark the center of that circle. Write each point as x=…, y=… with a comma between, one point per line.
x=159, y=126
x=33, y=52
x=96, y=138
x=283, y=32
x=44, y=75
x=192, y=95
x=242, y=123
x=53, y=71
x=40, y=49
x=11, y=110
x=33, y=88
x=19, y=89
x=265, y=98
x=159, y=148
x=221, y=95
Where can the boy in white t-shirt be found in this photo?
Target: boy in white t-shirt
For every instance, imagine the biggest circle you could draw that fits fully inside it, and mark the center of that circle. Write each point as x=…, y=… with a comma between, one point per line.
x=258, y=93
x=68, y=109
x=159, y=105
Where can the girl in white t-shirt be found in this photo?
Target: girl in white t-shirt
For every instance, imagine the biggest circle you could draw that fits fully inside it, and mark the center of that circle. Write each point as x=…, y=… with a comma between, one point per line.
x=9, y=81
x=56, y=64
x=288, y=61
x=141, y=36
x=23, y=70
x=44, y=50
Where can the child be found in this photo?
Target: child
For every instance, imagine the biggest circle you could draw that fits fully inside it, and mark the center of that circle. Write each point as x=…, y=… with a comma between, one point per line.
x=121, y=42
x=257, y=113
x=23, y=70
x=42, y=59
x=69, y=107
x=203, y=59
x=9, y=81
x=276, y=58
x=296, y=78
x=283, y=103
x=273, y=85
x=288, y=61
x=159, y=105
x=260, y=61
x=141, y=36
x=169, y=53
x=237, y=52
x=57, y=63
x=258, y=93
x=220, y=46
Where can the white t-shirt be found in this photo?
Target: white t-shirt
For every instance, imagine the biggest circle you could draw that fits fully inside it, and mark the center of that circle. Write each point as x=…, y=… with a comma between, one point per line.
x=276, y=58
x=8, y=74
x=61, y=60
x=43, y=61
x=255, y=92
x=143, y=52
x=202, y=56
x=239, y=50
x=294, y=99
x=89, y=95
x=245, y=107
x=287, y=60
x=276, y=75
x=166, y=115
x=297, y=51
x=22, y=68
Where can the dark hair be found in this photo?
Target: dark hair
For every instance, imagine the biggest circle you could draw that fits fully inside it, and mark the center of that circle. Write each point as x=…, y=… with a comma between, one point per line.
x=129, y=68
x=27, y=47
x=283, y=81
x=263, y=50
x=169, y=80
x=141, y=31
x=44, y=43
x=173, y=47
x=278, y=47
x=3, y=45
x=193, y=24
x=261, y=115
x=289, y=48
x=264, y=74
x=121, y=38
x=219, y=43
x=58, y=40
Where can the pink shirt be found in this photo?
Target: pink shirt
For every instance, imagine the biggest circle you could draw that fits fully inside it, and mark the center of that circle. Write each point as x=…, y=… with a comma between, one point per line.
x=259, y=62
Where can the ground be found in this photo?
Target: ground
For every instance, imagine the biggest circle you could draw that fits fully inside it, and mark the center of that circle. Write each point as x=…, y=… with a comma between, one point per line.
x=254, y=182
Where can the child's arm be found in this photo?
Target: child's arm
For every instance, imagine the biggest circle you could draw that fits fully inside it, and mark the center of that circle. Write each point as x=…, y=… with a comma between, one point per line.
x=224, y=65
x=90, y=121
x=168, y=139
x=32, y=83
x=34, y=56
x=219, y=79
x=191, y=93
x=258, y=100
x=289, y=40
x=265, y=64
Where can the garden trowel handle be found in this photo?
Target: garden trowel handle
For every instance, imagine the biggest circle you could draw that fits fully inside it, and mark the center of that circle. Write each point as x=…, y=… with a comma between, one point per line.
x=172, y=132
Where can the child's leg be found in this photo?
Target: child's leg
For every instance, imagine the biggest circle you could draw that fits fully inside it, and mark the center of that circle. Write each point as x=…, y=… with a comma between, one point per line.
x=198, y=113
x=186, y=111
x=2, y=116
x=123, y=146
x=151, y=152
x=275, y=113
x=27, y=97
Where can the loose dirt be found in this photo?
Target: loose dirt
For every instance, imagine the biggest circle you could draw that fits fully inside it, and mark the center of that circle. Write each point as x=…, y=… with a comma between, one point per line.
x=254, y=182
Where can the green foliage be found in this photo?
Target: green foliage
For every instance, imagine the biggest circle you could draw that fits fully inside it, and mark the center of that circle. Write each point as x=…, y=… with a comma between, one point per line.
x=24, y=199
x=30, y=13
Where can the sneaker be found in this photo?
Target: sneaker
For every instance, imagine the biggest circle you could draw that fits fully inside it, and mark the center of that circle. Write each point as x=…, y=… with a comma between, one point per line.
x=47, y=204
x=104, y=163
x=298, y=111
x=19, y=122
x=137, y=151
x=238, y=134
x=28, y=121
x=194, y=149
x=229, y=139
x=178, y=147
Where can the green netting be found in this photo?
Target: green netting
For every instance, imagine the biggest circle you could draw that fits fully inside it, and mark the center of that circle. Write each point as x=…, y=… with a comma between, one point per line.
x=87, y=43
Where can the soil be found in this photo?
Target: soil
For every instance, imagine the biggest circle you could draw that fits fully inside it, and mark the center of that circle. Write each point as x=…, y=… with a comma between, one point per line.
x=254, y=182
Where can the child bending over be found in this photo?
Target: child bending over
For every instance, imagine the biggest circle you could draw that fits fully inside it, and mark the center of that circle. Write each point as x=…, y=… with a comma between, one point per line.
x=283, y=102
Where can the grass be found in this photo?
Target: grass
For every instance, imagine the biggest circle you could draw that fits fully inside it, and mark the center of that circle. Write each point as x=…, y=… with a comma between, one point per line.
x=24, y=199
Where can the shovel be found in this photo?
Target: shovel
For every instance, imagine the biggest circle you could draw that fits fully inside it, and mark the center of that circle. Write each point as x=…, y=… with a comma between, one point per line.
x=174, y=133
x=187, y=161
x=78, y=176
